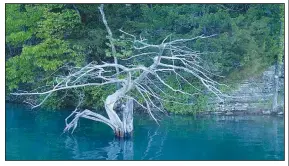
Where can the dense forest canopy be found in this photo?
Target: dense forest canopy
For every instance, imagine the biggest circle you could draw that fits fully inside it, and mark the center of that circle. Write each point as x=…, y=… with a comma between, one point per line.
x=42, y=38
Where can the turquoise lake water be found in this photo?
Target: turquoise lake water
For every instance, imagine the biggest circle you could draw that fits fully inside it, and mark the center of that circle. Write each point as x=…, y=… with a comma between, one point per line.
x=36, y=135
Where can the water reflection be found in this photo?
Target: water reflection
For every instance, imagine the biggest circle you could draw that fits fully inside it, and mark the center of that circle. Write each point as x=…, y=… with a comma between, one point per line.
x=118, y=149
x=177, y=138
x=112, y=151
x=153, y=140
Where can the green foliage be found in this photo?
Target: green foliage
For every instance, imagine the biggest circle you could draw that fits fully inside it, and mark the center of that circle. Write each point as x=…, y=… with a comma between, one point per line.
x=42, y=58
x=123, y=48
x=198, y=105
x=95, y=96
x=246, y=37
x=39, y=59
x=57, y=24
x=20, y=23
x=186, y=104
x=40, y=38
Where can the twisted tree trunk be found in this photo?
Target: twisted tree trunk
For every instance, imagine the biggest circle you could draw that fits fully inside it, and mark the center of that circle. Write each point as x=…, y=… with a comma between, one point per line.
x=122, y=128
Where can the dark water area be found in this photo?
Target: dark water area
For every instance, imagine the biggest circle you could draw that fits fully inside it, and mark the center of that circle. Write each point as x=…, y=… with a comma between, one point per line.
x=36, y=135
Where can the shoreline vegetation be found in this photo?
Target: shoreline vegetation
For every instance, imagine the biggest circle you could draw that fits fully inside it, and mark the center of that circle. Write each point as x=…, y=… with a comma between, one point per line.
x=208, y=113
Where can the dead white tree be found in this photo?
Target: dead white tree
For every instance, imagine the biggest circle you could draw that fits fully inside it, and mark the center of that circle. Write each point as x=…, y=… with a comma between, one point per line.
x=142, y=85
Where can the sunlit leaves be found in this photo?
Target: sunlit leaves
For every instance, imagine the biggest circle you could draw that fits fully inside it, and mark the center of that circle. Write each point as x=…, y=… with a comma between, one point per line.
x=45, y=26
x=18, y=37
x=57, y=24
x=21, y=22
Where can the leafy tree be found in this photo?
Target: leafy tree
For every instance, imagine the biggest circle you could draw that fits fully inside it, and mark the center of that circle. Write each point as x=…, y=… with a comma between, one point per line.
x=40, y=35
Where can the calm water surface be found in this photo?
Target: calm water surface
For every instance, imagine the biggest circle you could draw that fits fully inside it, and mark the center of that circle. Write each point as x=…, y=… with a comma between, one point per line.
x=36, y=135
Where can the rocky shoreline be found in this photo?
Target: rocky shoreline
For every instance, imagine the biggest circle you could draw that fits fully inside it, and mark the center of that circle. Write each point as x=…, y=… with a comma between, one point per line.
x=252, y=97
x=242, y=113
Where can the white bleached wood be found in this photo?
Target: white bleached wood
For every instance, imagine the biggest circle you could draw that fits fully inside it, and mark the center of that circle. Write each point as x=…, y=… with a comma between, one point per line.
x=148, y=82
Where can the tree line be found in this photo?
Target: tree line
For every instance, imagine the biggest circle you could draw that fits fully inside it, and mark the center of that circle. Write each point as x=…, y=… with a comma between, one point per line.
x=41, y=39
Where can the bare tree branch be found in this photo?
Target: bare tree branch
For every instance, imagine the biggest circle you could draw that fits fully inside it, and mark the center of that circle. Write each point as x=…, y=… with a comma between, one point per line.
x=170, y=56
